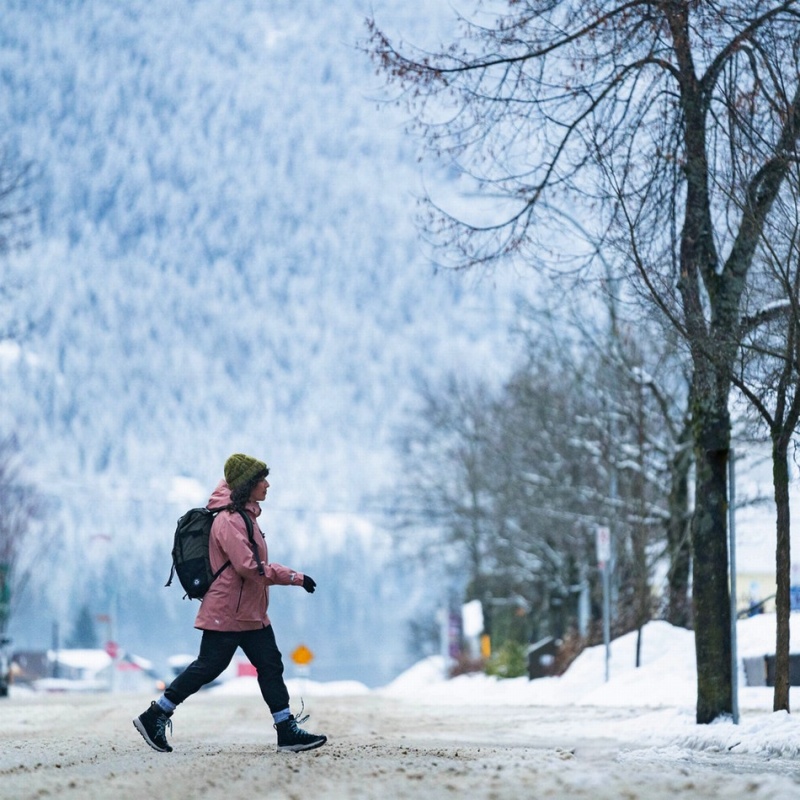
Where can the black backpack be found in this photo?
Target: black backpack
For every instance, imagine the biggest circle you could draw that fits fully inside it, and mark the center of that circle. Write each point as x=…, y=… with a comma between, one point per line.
x=190, y=558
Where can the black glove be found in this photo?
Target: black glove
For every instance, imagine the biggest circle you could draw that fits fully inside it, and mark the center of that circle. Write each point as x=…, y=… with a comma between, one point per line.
x=309, y=584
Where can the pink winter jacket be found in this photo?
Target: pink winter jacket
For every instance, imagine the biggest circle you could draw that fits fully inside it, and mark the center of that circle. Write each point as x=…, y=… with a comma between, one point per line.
x=238, y=599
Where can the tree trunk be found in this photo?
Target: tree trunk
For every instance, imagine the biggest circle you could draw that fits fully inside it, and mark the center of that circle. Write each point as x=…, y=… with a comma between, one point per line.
x=713, y=350
x=710, y=584
x=780, y=480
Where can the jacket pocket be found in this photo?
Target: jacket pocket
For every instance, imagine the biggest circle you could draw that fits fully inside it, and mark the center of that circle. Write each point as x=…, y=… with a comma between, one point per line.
x=241, y=591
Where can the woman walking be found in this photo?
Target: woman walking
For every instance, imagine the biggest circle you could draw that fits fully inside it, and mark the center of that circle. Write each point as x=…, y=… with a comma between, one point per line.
x=233, y=612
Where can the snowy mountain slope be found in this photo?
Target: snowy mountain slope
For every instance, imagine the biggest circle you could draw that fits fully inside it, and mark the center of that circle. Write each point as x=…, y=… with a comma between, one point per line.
x=225, y=259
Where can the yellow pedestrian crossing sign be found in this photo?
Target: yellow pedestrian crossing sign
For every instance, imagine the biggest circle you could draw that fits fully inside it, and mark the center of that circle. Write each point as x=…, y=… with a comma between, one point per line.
x=302, y=656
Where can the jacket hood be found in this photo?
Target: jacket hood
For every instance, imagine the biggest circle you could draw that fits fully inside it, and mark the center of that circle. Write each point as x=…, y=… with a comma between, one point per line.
x=221, y=497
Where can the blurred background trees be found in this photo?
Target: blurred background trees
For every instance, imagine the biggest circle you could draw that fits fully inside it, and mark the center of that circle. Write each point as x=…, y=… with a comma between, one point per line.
x=588, y=430
x=669, y=130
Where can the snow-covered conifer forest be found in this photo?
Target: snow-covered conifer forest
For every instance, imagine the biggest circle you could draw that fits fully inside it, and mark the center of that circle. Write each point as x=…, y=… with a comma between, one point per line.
x=222, y=257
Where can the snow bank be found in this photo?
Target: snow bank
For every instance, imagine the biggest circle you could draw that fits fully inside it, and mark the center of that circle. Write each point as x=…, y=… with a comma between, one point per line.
x=663, y=691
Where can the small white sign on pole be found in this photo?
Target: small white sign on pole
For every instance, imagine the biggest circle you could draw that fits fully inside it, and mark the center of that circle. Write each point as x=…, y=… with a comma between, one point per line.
x=472, y=618
x=603, y=545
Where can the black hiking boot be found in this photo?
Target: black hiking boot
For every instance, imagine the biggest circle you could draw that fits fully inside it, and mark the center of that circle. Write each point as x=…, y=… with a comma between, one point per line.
x=293, y=739
x=153, y=726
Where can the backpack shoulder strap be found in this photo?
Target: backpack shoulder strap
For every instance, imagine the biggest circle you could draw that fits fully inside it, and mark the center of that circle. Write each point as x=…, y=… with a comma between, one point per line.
x=251, y=537
x=222, y=569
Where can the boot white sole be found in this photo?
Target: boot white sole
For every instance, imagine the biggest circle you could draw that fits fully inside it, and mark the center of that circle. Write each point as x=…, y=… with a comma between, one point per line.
x=298, y=748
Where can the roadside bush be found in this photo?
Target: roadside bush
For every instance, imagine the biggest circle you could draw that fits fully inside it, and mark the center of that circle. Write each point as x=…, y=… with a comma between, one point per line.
x=510, y=661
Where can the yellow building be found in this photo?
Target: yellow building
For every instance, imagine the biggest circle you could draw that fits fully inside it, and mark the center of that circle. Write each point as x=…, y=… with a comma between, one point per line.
x=755, y=588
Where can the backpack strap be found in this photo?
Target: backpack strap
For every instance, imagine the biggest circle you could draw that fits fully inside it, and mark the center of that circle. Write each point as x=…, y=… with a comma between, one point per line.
x=221, y=570
x=251, y=537
x=225, y=566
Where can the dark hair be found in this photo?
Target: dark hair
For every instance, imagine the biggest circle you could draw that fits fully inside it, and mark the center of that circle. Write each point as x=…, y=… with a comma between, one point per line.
x=241, y=494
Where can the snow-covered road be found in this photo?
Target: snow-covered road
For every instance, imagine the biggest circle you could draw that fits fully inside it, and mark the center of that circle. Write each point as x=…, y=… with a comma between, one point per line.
x=72, y=746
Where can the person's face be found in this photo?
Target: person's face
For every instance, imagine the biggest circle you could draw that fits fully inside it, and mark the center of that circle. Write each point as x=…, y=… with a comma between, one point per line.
x=260, y=490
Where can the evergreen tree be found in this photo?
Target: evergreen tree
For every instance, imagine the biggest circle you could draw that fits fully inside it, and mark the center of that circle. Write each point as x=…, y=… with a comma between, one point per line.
x=84, y=633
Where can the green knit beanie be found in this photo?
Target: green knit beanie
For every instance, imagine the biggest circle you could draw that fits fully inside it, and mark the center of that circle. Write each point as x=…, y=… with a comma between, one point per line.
x=239, y=469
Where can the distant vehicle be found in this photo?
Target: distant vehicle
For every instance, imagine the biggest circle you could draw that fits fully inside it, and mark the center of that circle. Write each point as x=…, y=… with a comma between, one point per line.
x=5, y=667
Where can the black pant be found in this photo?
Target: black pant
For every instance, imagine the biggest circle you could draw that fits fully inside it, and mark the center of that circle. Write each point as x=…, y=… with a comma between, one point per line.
x=216, y=651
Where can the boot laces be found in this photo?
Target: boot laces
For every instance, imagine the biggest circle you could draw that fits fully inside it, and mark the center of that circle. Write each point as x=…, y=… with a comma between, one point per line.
x=299, y=718
x=162, y=723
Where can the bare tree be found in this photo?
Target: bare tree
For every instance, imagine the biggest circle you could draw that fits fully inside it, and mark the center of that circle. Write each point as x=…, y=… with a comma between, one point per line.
x=19, y=507
x=648, y=399
x=670, y=124
x=15, y=224
x=768, y=375
x=18, y=502
x=446, y=483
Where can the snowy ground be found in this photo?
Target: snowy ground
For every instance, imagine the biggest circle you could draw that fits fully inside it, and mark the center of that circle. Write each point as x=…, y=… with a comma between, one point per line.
x=575, y=736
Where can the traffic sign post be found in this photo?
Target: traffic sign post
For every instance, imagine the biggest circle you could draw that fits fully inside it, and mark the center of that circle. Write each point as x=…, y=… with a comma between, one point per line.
x=603, y=541
x=302, y=658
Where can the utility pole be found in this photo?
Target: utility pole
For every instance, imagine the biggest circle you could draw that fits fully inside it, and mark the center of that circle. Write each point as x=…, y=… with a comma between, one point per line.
x=603, y=534
x=732, y=563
